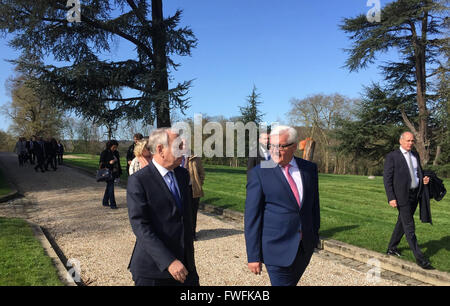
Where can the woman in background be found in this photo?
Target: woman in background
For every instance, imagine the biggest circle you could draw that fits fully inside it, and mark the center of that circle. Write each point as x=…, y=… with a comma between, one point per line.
x=142, y=156
x=110, y=159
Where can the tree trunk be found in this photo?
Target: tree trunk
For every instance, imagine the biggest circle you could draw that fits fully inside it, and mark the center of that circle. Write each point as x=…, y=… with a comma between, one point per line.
x=161, y=88
x=436, y=158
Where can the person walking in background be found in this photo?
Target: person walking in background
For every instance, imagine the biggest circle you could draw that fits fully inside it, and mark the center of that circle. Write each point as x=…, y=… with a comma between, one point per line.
x=38, y=150
x=130, y=152
x=263, y=152
x=142, y=157
x=110, y=159
x=160, y=213
x=404, y=182
x=30, y=154
x=197, y=176
x=60, y=152
x=21, y=150
x=51, y=147
x=282, y=215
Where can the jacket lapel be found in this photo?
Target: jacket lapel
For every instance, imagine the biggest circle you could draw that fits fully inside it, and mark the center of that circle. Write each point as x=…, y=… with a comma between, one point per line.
x=305, y=181
x=162, y=184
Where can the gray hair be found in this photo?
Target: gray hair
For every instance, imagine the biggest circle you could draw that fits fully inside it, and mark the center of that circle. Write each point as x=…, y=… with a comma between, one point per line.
x=281, y=129
x=406, y=132
x=158, y=137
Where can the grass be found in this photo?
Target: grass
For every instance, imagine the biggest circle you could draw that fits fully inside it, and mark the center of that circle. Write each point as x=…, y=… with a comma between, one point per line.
x=23, y=261
x=4, y=187
x=354, y=210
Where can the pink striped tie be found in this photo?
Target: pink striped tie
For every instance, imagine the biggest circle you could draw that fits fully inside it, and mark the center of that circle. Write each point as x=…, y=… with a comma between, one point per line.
x=292, y=183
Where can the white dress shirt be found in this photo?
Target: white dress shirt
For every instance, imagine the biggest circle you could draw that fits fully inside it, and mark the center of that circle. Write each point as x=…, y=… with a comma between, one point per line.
x=163, y=171
x=294, y=171
x=414, y=164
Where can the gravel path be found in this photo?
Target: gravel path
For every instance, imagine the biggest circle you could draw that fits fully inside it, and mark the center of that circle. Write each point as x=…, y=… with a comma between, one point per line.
x=67, y=204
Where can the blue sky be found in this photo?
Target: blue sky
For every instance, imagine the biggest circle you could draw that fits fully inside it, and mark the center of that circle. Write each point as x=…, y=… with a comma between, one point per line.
x=287, y=49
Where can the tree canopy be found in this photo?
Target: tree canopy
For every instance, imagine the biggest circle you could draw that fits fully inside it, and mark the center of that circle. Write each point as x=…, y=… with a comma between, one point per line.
x=90, y=84
x=416, y=29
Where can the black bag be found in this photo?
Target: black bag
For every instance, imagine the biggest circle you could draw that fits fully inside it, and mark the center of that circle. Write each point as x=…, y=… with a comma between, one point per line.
x=103, y=175
x=436, y=185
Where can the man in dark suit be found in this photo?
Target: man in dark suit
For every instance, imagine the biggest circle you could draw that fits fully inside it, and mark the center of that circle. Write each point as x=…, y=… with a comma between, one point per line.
x=282, y=215
x=403, y=181
x=263, y=152
x=160, y=213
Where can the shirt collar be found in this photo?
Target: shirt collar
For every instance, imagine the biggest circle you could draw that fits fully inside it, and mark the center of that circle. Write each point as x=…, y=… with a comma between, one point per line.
x=293, y=163
x=163, y=171
x=403, y=150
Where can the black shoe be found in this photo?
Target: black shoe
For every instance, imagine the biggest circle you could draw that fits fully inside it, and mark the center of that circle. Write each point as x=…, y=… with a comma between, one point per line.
x=106, y=205
x=424, y=264
x=394, y=252
x=113, y=207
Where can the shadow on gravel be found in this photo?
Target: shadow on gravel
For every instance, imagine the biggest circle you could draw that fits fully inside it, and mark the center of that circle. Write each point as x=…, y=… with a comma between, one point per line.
x=204, y=235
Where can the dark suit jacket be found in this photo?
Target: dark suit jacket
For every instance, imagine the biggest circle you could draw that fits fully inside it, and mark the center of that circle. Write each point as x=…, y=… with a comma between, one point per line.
x=163, y=232
x=254, y=161
x=273, y=218
x=396, y=178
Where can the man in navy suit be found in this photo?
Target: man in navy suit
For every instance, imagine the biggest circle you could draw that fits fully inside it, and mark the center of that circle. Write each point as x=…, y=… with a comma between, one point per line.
x=160, y=213
x=404, y=181
x=282, y=215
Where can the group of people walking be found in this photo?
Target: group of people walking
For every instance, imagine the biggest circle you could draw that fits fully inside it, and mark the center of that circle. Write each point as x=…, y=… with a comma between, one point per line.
x=282, y=214
x=43, y=153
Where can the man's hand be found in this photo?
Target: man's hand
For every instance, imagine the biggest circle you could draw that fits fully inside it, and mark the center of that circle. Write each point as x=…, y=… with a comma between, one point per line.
x=178, y=271
x=426, y=180
x=255, y=267
x=393, y=203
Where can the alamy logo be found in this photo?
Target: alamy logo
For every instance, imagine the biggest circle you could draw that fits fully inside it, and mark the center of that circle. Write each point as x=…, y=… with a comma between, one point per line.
x=374, y=14
x=374, y=273
x=74, y=14
x=75, y=270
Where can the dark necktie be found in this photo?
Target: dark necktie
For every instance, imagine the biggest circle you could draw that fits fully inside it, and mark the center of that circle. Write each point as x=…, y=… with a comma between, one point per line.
x=173, y=190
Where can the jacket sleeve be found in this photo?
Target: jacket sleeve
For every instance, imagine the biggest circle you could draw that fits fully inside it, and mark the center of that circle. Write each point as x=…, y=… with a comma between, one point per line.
x=103, y=163
x=142, y=226
x=201, y=171
x=388, y=177
x=253, y=217
x=316, y=208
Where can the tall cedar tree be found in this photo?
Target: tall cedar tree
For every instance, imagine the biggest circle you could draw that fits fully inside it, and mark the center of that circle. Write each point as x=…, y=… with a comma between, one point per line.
x=91, y=85
x=416, y=28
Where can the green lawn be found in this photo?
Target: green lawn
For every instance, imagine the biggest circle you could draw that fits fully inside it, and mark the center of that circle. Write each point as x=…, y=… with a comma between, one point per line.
x=354, y=210
x=23, y=261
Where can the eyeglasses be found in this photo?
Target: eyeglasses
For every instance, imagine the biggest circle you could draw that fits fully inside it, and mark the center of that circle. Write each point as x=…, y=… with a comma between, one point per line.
x=280, y=147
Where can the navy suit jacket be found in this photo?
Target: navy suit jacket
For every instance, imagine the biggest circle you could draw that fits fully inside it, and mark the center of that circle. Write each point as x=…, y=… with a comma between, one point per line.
x=273, y=219
x=163, y=232
x=396, y=177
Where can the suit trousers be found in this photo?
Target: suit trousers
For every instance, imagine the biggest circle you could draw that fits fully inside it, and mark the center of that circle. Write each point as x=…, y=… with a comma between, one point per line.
x=290, y=276
x=405, y=225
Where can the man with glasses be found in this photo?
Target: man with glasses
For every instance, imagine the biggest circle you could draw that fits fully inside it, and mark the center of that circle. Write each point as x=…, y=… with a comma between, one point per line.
x=282, y=216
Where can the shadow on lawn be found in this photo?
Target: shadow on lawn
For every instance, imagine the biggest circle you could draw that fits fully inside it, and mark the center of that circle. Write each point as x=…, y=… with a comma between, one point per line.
x=329, y=233
x=434, y=246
